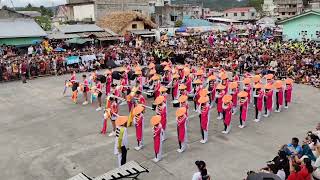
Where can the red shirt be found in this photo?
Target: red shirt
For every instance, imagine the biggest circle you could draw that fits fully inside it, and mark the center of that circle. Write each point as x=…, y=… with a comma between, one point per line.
x=295, y=176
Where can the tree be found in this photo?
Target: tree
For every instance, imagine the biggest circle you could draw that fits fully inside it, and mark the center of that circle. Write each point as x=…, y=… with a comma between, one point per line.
x=256, y=4
x=44, y=22
x=178, y=23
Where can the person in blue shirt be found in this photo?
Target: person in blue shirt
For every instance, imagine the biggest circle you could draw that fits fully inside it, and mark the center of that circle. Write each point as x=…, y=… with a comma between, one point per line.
x=294, y=148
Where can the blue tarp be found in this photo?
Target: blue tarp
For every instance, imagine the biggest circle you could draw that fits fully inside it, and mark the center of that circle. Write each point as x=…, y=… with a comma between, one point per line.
x=59, y=49
x=72, y=60
x=182, y=29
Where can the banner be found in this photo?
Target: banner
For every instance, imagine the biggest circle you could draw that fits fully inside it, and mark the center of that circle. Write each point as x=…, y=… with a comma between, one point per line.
x=72, y=60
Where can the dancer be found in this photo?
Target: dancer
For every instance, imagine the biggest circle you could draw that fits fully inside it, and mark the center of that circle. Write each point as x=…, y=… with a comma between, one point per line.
x=212, y=89
x=108, y=82
x=121, y=140
x=233, y=91
x=204, y=118
x=258, y=94
x=138, y=121
x=113, y=107
x=157, y=137
x=181, y=128
x=243, y=102
x=288, y=92
x=268, y=100
x=99, y=92
x=219, y=95
x=247, y=87
x=198, y=88
x=175, y=87
x=227, y=111
x=279, y=95
x=161, y=110
x=85, y=89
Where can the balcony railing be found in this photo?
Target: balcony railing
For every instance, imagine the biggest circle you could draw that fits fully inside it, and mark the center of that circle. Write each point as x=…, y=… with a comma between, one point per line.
x=282, y=2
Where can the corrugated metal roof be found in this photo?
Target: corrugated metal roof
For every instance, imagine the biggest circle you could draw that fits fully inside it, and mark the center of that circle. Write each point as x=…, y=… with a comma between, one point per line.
x=59, y=35
x=78, y=28
x=189, y=22
x=11, y=28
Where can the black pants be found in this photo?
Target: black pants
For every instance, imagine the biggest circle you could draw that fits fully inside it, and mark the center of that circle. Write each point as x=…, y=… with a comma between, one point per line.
x=277, y=102
x=225, y=126
x=195, y=104
x=265, y=105
x=202, y=132
x=240, y=115
x=257, y=112
x=123, y=155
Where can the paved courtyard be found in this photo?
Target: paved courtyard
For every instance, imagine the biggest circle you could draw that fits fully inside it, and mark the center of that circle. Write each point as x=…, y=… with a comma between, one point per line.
x=44, y=136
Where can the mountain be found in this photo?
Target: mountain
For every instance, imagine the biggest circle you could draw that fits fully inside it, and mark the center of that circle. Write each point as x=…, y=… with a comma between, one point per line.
x=214, y=4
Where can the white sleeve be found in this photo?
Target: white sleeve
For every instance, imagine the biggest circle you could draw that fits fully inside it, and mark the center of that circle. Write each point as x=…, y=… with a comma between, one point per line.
x=125, y=138
x=196, y=176
x=317, y=163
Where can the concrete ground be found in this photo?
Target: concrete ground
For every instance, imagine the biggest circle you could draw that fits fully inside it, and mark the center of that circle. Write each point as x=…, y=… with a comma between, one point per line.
x=44, y=136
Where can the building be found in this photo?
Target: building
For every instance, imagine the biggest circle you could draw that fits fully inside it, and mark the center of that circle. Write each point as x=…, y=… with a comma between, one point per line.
x=302, y=27
x=168, y=14
x=79, y=10
x=241, y=13
x=212, y=14
x=104, y=7
x=124, y=22
x=268, y=7
x=288, y=8
x=19, y=29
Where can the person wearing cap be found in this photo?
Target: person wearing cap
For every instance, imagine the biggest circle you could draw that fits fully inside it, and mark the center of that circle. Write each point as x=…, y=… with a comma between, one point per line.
x=175, y=87
x=108, y=82
x=163, y=92
x=258, y=94
x=202, y=173
x=279, y=95
x=198, y=88
x=247, y=87
x=181, y=128
x=115, y=90
x=204, y=117
x=157, y=137
x=139, y=80
x=138, y=121
x=212, y=89
x=121, y=140
x=219, y=95
x=157, y=85
x=243, y=102
x=268, y=100
x=256, y=80
x=161, y=110
x=233, y=91
x=188, y=82
x=227, y=111
x=182, y=90
x=225, y=81
x=288, y=92
x=183, y=100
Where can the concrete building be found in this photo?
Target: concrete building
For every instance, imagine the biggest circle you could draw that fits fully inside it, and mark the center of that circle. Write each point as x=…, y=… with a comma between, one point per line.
x=302, y=27
x=168, y=15
x=268, y=7
x=241, y=14
x=80, y=10
x=104, y=7
x=288, y=8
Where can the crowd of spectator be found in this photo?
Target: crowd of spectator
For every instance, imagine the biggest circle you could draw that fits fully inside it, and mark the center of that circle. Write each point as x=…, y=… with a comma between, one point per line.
x=298, y=60
x=296, y=160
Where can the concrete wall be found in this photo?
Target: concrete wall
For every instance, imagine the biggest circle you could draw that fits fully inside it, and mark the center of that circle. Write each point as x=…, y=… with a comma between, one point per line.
x=81, y=12
x=106, y=6
x=293, y=29
x=240, y=17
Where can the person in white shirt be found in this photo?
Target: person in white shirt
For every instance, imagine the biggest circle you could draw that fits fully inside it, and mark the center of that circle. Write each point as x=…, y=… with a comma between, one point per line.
x=121, y=140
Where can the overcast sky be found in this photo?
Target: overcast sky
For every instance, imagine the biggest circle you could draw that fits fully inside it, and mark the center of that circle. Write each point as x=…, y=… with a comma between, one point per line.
x=21, y=3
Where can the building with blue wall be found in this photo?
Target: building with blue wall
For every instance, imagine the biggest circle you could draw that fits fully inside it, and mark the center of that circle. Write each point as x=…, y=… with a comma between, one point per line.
x=305, y=26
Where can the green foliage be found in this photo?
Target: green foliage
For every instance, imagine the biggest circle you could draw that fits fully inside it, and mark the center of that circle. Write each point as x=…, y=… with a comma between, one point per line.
x=178, y=23
x=44, y=22
x=43, y=10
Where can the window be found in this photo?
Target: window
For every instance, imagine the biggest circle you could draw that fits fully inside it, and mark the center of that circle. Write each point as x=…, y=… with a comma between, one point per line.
x=283, y=13
x=293, y=13
x=304, y=33
x=226, y=14
x=252, y=14
x=242, y=13
x=138, y=10
x=173, y=18
x=318, y=34
x=134, y=26
x=235, y=14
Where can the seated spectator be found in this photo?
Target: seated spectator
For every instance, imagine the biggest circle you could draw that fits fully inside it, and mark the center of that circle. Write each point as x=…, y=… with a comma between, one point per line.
x=294, y=147
x=202, y=173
